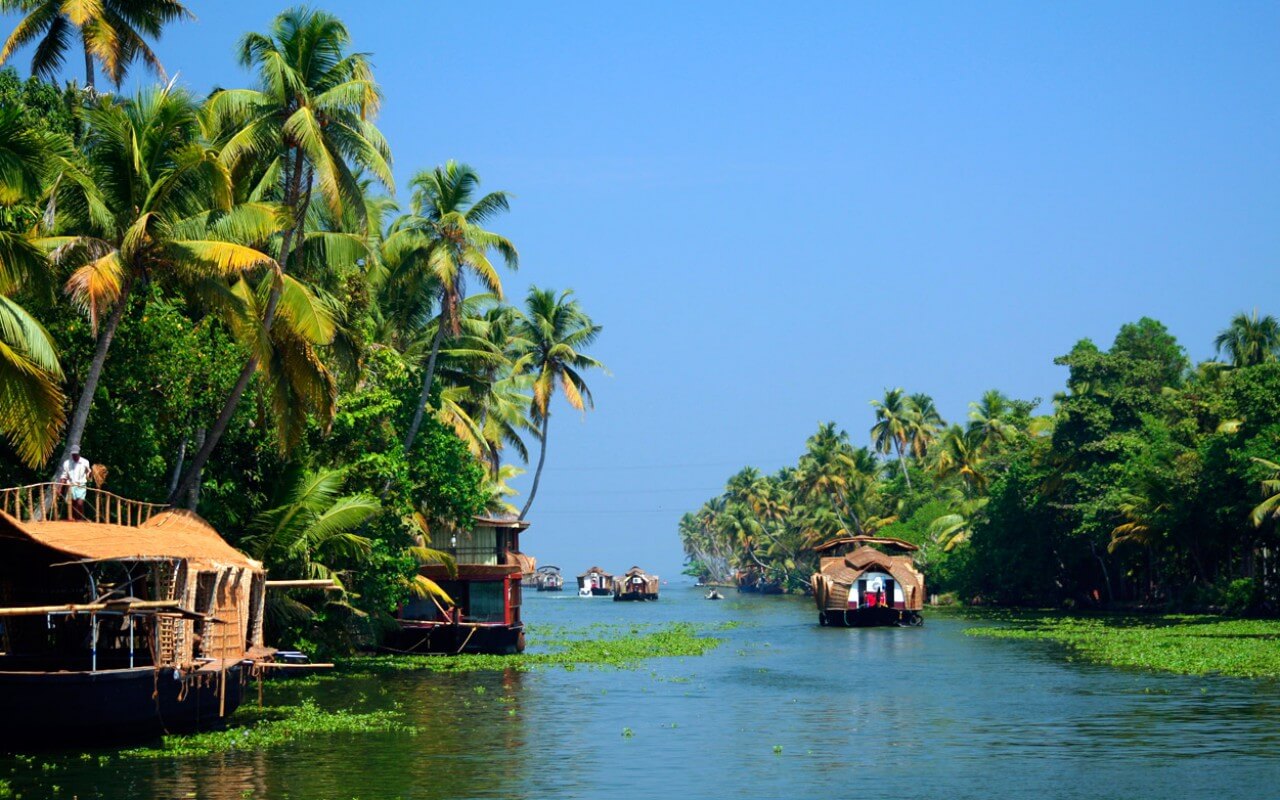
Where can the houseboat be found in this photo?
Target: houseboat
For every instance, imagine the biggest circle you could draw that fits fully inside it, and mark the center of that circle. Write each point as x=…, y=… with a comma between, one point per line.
x=868, y=580
x=485, y=589
x=549, y=579
x=636, y=584
x=595, y=582
x=755, y=581
x=120, y=618
x=528, y=570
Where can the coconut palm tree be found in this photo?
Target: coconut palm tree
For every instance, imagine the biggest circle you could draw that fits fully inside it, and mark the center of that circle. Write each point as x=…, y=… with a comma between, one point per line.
x=437, y=244
x=559, y=330
x=32, y=409
x=1270, y=507
x=960, y=454
x=306, y=127
x=895, y=418
x=989, y=420
x=309, y=530
x=925, y=425
x=163, y=211
x=1250, y=340
x=112, y=32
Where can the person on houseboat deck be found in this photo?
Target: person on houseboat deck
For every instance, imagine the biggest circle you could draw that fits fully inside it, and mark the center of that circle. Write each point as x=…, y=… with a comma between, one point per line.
x=75, y=473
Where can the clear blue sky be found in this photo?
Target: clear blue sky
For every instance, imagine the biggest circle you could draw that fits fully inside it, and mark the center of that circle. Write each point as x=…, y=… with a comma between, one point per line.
x=777, y=211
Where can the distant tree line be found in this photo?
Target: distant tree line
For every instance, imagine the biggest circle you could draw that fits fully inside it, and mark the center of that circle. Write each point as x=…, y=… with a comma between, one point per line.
x=1150, y=481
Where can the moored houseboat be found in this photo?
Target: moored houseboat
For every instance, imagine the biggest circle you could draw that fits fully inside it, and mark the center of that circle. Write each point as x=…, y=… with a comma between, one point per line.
x=858, y=584
x=754, y=581
x=636, y=584
x=595, y=582
x=549, y=579
x=120, y=618
x=485, y=589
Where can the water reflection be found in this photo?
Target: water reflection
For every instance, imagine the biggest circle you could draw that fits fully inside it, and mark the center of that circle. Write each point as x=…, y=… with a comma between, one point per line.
x=782, y=708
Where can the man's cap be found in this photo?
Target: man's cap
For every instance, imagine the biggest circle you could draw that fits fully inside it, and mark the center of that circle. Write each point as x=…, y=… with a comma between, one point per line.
x=75, y=450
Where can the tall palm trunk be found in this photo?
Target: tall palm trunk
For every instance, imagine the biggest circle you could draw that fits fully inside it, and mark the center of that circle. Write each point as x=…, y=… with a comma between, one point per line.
x=542, y=459
x=424, y=396
x=80, y=417
x=299, y=201
x=88, y=69
x=903, y=463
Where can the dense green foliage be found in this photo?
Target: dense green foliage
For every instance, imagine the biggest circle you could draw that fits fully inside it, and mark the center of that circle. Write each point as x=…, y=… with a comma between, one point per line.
x=1148, y=482
x=211, y=297
x=1190, y=645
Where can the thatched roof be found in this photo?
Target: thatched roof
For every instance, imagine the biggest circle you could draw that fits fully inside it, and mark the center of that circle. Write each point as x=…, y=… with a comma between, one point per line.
x=635, y=571
x=500, y=522
x=600, y=570
x=884, y=541
x=173, y=534
x=839, y=573
x=528, y=564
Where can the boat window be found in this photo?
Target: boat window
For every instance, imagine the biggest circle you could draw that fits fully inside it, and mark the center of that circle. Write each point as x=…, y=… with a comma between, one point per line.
x=487, y=602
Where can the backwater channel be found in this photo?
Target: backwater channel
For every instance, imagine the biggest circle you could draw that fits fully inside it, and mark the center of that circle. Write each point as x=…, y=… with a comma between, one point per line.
x=783, y=708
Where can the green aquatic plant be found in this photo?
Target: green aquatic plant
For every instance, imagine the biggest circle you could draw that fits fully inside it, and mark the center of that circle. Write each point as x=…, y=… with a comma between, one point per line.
x=617, y=647
x=273, y=727
x=1184, y=644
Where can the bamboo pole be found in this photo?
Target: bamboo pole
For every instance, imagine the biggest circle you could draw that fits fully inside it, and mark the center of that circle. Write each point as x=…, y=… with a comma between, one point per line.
x=76, y=608
x=318, y=583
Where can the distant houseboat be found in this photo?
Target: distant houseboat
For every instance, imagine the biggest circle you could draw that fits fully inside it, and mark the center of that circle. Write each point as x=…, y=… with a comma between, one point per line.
x=120, y=618
x=754, y=581
x=859, y=585
x=549, y=579
x=486, y=592
x=595, y=582
x=636, y=584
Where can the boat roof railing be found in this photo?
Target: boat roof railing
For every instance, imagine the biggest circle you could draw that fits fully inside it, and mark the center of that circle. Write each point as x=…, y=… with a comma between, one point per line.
x=52, y=502
x=884, y=541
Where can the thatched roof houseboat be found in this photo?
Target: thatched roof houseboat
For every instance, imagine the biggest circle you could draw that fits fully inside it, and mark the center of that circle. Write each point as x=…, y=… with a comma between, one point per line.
x=868, y=580
x=595, y=582
x=485, y=589
x=549, y=579
x=120, y=618
x=636, y=584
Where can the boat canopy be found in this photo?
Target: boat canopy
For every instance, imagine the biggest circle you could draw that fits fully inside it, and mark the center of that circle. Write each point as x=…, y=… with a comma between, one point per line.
x=883, y=541
x=173, y=534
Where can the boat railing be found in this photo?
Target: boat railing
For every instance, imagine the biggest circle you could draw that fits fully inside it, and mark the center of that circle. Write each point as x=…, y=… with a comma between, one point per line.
x=52, y=502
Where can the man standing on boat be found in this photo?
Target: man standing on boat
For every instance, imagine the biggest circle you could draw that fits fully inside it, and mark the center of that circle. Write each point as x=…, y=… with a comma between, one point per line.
x=75, y=473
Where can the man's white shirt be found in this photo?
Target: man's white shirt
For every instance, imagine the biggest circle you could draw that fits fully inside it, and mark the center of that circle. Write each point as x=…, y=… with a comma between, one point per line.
x=76, y=472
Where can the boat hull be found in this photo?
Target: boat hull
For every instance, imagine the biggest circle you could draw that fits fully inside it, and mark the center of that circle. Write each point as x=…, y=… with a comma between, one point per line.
x=873, y=617
x=453, y=639
x=543, y=588
x=112, y=705
x=634, y=596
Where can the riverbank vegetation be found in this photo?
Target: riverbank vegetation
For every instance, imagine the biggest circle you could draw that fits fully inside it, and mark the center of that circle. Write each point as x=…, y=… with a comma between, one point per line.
x=1148, y=480
x=1185, y=644
x=222, y=299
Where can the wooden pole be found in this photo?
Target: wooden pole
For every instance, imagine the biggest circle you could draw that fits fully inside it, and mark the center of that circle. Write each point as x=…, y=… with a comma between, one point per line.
x=76, y=608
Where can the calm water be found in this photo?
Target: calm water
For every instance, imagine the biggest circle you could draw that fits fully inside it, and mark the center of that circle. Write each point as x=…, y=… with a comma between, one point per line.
x=888, y=712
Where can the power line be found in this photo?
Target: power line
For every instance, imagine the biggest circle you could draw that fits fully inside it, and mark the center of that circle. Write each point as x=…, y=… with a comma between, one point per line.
x=606, y=467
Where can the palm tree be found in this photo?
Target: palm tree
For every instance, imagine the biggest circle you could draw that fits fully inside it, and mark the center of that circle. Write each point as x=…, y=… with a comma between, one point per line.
x=437, y=244
x=558, y=329
x=111, y=31
x=925, y=424
x=31, y=402
x=162, y=211
x=895, y=418
x=307, y=126
x=309, y=530
x=960, y=453
x=1250, y=340
x=989, y=420
x=1270, y=507
x=486, y=399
